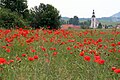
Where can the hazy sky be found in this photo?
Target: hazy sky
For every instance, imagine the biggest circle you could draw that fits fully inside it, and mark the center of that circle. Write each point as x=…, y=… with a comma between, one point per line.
x=82, y=8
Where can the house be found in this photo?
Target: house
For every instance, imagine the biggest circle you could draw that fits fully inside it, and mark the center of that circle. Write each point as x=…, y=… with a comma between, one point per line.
x=118, y=26
x=68, y=26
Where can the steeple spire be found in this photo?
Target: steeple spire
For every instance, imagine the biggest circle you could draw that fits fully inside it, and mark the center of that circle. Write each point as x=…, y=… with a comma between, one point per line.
x=93, y=14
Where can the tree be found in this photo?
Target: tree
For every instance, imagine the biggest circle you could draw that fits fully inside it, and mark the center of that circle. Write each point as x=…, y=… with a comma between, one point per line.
x=85, y=24
x=10, y=19
x=71, y=21
x=100, y=26
x=44, y=16
x=63, y=21
x=74, y=20
x=19, y=6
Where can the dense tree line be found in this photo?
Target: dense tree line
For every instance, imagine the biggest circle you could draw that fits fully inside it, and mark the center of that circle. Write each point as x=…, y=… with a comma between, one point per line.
x=19, y=6
x=15, y=13
x=44, y=16
x=74, y=20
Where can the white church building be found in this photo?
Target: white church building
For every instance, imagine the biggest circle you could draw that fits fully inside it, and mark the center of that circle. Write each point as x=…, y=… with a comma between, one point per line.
x=94, y=22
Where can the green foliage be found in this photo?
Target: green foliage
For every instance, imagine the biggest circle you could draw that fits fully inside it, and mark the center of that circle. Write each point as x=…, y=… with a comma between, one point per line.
x=63, y=21
x=99, y=25
x=10, y=19
x=44, y=16
x=66, y=64
x=85, y=24
x=19, y=6
x=74, y=21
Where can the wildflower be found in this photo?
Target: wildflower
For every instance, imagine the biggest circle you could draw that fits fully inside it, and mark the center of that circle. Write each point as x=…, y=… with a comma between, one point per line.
x=81, y=53
x=2, y=61
x=113, y=68
x=101, y=61
x=35, y=56
x=119, y=51
x=43, y=49
x=76, y=47
x=46, y=54
x=11, y=61
x=33, y=50
x=99, y=40
x=100, y=45
x=117, y=70
x=113, y=44
x=55, y=53
x=97, y=57
x=30, y=58
x=8, y=50
x=87, y=58
x=18, y=58
x=118, y=43
x=23, y=55
x=4, y=47
x=68, y=48
x=71, y=52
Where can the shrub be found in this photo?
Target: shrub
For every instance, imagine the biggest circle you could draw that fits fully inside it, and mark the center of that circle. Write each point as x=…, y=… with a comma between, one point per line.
x=44, y=16
x=10, y=19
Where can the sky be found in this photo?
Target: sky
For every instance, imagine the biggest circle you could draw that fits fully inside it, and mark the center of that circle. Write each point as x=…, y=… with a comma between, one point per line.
x=81, y=8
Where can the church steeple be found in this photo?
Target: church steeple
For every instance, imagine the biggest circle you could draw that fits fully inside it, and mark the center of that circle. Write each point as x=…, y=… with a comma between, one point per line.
x=93, y=14
x=94, y=22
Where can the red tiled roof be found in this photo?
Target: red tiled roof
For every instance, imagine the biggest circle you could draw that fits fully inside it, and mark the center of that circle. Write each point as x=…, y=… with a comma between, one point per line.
x=67, y=26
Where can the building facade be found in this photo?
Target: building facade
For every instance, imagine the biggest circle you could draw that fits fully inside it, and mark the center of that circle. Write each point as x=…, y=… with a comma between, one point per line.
x=94, y=22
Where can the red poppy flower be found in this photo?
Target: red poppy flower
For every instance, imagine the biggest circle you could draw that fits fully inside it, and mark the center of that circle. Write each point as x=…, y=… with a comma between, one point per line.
x=30, y=58
x=68, y=48
x=101, y=61
x=18, y=58
x=8, y=50
x=4, y=47
x=100, y=45
x=33, y=50
x=97, y=57
x=43, y=49
x=23, y=55
x=55, y=53
x=76, y=47
x=87, y=58
x=36, y=57
x=46, y=54
x=71, y=52
x=119, y=51
x=118, y=43
x=99, y=40
x=2, y=60
x=113, y=44
x=113, y=68
x=81, y=53
x=117, y=70
x=11, y=61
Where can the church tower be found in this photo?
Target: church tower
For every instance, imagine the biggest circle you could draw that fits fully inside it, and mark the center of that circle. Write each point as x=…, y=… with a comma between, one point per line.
x=93, y=21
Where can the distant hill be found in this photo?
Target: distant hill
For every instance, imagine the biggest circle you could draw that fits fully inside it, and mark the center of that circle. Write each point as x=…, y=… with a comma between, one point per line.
x=65, y=18
x=116, y=15
x=114, y=18
x=106, y=19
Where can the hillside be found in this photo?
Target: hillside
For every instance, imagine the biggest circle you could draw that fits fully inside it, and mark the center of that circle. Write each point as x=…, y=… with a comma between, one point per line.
x=112, y=20
x=116, y=15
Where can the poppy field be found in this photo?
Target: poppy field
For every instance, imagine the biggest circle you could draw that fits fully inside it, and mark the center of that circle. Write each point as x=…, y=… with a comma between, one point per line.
x=43, y=54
